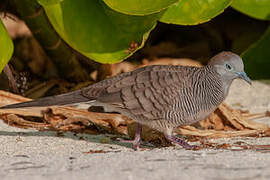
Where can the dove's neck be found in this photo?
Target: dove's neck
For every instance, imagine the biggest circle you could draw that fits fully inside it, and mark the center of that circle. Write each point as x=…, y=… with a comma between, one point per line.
x=221, y=80
x=226, y=86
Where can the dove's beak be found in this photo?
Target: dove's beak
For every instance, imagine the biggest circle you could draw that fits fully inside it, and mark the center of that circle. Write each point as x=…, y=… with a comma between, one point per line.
x=244, y=76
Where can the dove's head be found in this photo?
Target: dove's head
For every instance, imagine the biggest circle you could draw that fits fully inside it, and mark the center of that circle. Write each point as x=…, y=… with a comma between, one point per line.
x=230, y=66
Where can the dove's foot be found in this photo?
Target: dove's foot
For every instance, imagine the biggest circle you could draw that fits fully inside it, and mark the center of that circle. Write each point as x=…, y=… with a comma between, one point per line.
x=181, y=142
x=137, y=140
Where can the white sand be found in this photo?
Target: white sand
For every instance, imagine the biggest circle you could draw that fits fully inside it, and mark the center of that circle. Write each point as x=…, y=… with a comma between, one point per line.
x=29, y=154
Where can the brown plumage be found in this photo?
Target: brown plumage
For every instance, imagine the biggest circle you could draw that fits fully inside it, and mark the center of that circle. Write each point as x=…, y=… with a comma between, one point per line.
x=161, y=97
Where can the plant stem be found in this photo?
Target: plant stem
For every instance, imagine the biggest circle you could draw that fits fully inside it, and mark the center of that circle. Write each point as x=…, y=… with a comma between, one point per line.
x=11, y=79
x=59, y=52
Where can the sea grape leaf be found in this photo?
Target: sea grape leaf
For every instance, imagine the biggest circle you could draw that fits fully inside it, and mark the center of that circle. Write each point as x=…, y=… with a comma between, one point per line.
x=259, y=9
x=139, y=7
x=48, y=2
x=257, y=58
x=97, y=31
x=6, y=46
x=192, y=12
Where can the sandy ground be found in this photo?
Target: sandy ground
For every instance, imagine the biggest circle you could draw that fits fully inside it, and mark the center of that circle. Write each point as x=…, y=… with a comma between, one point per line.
x=29, y=154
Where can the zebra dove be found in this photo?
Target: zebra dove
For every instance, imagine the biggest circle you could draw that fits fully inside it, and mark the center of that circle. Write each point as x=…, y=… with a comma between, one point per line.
x=162, y=97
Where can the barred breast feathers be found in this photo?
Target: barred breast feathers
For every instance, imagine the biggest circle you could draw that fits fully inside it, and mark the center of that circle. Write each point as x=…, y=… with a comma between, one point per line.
x=199, y=99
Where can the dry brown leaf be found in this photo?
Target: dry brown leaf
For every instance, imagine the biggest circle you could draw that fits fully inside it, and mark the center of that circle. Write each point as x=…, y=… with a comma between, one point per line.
x=9, y=98
x=123, y=67
x=71, y=119
x=15, y=27
x=227, y=118
x=172, y=61
x=224, y=119
x=60, y=118
x=15, y=120
x=95, y=152
x=192, y=131
x=224, y=122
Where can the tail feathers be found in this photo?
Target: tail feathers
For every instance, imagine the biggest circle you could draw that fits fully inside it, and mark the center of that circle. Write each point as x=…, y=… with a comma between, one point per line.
x=59, y=100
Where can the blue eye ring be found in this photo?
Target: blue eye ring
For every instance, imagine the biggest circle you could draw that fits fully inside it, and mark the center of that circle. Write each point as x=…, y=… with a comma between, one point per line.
x=228, y=66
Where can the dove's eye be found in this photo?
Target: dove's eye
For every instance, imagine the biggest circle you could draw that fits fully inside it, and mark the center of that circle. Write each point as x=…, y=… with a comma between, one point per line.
x=228, y=66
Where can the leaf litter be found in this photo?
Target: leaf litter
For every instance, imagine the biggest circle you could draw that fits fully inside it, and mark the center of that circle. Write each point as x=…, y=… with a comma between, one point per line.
x=225, y=122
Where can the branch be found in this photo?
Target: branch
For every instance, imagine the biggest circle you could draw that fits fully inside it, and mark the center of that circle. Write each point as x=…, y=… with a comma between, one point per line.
x=60, y=53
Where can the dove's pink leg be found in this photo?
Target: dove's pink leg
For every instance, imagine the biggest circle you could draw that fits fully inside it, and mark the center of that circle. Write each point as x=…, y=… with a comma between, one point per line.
x=181, y=142
x=137, y=139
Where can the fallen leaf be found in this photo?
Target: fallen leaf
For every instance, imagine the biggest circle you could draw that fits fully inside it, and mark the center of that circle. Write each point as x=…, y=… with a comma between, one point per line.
x=95, y=152
x=224, y=122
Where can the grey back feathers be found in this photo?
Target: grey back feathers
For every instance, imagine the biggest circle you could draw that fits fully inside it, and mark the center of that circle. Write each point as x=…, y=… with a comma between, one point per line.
x=159, y=96
x=162, y=92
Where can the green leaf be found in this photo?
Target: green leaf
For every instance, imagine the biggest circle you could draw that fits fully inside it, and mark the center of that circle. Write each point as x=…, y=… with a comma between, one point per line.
x=48, y=2
x=192, y=12
x=6, y=47
x=97, y=31
x=257, y=58
x=259, y=9
x=139, y=7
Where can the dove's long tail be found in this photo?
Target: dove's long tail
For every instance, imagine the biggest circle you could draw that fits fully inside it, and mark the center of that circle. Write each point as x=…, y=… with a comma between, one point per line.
x=63, y=99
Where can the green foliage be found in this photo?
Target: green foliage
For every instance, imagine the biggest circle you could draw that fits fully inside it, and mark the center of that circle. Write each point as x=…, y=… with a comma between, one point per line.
x=109, y=31
x=97, y=31
x=259, y=9
x=257, y=58
x=191, y=12
x=108, y=36
x=139, y=7
x=48, y=2
x=6, y=47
